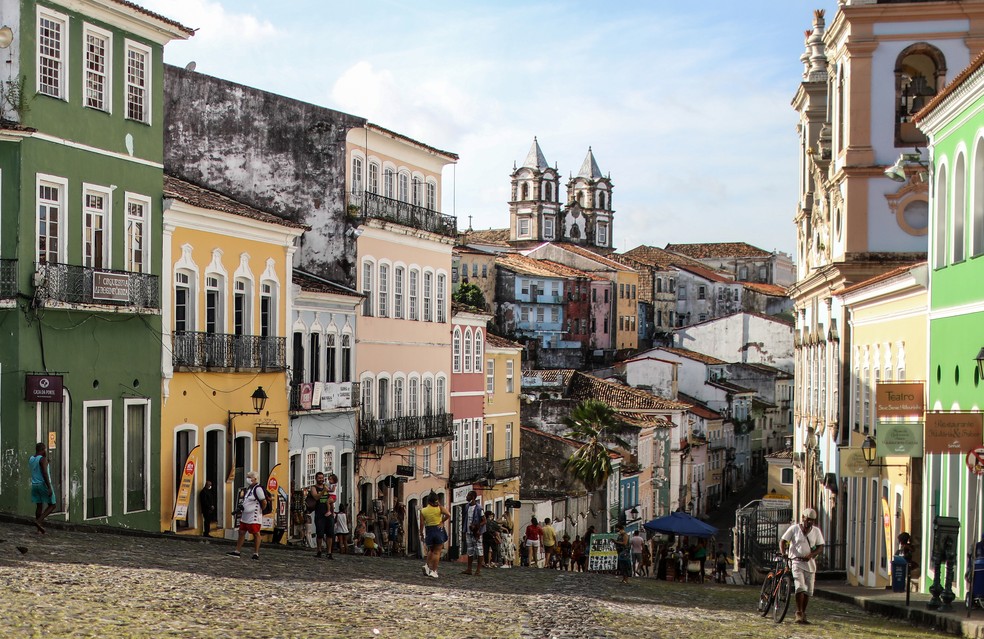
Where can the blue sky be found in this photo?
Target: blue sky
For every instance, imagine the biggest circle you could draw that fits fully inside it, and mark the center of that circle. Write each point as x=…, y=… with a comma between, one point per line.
x=685, y=104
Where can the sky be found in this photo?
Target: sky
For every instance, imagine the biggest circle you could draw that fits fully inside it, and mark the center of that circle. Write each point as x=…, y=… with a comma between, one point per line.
x=686, y=105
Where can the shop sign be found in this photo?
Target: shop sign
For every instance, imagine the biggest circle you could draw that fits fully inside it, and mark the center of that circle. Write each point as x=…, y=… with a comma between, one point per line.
x=852, y=464
x=900, y=440
x=404, y=471
x=112, y=287
x=899, y=399
x=307, y=394
x=43, y=388
x=953, y=433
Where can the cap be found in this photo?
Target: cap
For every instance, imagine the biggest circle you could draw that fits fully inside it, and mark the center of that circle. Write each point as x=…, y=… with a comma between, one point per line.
x=809, y=513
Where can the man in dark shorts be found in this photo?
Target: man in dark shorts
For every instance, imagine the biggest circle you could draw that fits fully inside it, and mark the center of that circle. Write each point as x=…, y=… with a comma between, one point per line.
x=322, y=514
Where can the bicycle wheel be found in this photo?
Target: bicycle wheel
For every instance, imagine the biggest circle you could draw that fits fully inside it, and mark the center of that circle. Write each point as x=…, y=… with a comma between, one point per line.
x=784, y=591
x=765, y=597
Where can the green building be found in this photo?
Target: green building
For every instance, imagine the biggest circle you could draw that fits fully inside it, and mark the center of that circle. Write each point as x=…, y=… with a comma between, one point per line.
x=954, y=123
x=81, y=179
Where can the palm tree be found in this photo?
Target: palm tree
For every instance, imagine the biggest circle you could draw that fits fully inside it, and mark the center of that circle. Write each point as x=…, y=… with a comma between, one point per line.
x=594, y=423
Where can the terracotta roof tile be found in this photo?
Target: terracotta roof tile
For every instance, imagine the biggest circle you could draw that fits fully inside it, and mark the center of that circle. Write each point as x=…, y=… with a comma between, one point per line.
x=494, y=341
x=157, y=16
x=766, y=289
x=728, y=386
x=644, y=419
x=556, y=377
x=536, y=267
x=781, y=454
x=706, y=273
x=717, y=249
x=887, y=275
x=458, y=307
x=310, y=282
x=618, y=396
x=205, y=198
x=657, y=257
x=591, y=255
x=494, y=237
x=699, y=408
x=694, y=355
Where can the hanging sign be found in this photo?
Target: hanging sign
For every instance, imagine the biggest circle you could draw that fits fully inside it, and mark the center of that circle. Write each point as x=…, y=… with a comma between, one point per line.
x=43, y=388
x=852, y=464
x=900, y=439
x=953, y=433
x=899, y=399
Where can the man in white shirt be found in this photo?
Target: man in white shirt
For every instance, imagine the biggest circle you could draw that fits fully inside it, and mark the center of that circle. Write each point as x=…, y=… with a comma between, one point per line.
x=804, y=542
x=254, y=501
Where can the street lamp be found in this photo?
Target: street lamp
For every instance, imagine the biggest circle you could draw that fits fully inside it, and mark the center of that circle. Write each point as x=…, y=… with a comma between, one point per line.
x=635, y=513
x=869, y=449
x=259, y=398
x=980, y=363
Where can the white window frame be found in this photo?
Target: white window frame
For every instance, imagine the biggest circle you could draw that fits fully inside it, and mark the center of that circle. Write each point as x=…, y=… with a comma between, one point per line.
x=510, y=372
x=601, y=234
x=440, y=293
x=439, y=460
x=144, y=221
x=107, y=73
x=107, y=214
x=368, y=271
x=523, y=227
x=490, y=376
x=358, y=166
x=62, y=61
x=413, y=288
x=467, y=350
x=431, y=201
x=479, y=350
x=382, y=290
x=61, y=184
x=428, y=292
x=146, y=87
x=399, y=276
x=126, y=461
x=373, y=182
x=456, y=350
x=108, y=404
x=548, y=228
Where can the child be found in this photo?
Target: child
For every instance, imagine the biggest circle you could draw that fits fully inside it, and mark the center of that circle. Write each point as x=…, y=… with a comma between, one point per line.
x=566, y=550
x=524, y=553
x=647, y=560
x=369, y=546
x=332, y=484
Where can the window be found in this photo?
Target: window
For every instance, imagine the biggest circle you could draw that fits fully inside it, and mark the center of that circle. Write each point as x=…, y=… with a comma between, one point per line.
x=977, y=210
x=468, y=351
x=331, y=355
x=367, y=289
x=479, y=354
x=427, y=459
x=763, y=273
x=373, y=186
x=267, y=310
x=490, y=376
x=465, y=438
x=959, y=212
x=415, y=191
x=489, y=443
x=523, y=229
x=621, y=291
x=50, y=247
x=98, y=51
x=524, y=313
x=367, y=395
x=919, y=71
x=477, y=438
x=314, y=365
x=432, y=196
x=939, y=218
x=427, y=395
x=442, y=284
x=509, y=375
x=659, y=318
x=52, y=45
x=356, y=174
x=398, y=385
x=382, y=395
x=456, y=351
x=439, y=462
x=383, y=290
x=389, y=183
x=440, y=399
x=137, y=257
x=539, y=314
x=702, y=292
x=414, y=277
x=137, y=449
x=413, y=398
x=509, y=440
x=404, y=186
x=398, y=292
x=137, y=81
x=682, y=292
x=428, y=285
x=310, y=467
x=554, y=314
x=183, y=300
x=548, y=228
x=96, y=228
x=97, y=462
x=633, y=291
x=602, y=235
x=213, y=304
x=346, y=367
x=548, y=191
x=241, y=308
x=743, y=273
x=485, y=270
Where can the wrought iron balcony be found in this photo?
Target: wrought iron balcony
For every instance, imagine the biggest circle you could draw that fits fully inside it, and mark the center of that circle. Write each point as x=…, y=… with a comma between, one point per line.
x=333, y=396
x=470, y=470
x=86, y=285
x=223, y=351
x=364, y=205
x=8, y=279
x=505, y=468
x=398, y=430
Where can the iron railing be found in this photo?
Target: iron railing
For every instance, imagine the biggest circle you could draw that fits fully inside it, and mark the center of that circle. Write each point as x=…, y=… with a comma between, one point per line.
x=8, y=279
x=470, y=470
x=223, y=351
x=332, y=401
x=75, y=285
x=365, y=205
x=395, y=430
x=505, y=468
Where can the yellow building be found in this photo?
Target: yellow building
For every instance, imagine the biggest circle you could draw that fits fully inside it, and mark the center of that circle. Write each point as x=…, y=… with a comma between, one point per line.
x=888, y=334
x=227, y=278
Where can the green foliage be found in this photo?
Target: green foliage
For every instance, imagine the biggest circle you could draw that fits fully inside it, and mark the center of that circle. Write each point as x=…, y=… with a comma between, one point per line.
x=469, y=295
x=13, y=98
x=594, y=423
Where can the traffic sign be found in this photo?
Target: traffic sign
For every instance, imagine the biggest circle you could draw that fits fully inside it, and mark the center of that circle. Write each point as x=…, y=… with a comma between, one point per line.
x=975, y=461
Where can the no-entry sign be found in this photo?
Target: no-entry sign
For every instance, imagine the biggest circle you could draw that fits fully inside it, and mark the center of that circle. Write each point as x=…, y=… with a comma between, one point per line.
x=975, y=460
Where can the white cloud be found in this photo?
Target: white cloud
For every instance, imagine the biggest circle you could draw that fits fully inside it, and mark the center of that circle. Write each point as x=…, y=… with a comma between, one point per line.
x=217, y=27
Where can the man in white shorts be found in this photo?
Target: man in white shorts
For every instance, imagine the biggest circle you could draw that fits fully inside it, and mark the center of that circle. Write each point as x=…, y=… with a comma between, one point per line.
x=803, y=542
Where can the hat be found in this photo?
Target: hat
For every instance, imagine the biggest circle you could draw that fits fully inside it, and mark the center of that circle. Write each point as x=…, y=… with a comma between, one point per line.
x=809, y=513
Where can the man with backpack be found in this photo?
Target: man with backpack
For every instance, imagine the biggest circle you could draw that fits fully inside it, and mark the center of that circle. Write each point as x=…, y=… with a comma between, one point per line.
x=253, y=507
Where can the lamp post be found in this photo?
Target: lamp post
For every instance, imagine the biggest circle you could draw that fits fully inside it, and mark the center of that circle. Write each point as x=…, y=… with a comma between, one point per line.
x=869, y=449
x=259, y=399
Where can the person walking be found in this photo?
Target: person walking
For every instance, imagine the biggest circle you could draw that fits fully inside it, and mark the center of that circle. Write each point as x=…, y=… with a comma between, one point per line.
x=321, y=493
x=341, y=530
x=533, y=535
x=475, y=519
x=700, y=555
x=549, y=542
x=624, y=548
x=206, y=502
x=432, y=532
x=42, y=490
x=490, y=541
x=804, y=543
x=254, y=501
x=636, y=543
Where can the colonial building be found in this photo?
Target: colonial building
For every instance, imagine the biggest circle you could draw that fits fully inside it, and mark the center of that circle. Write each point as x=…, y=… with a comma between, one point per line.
x=81, y=268
x=742, y=261
x=742, y=337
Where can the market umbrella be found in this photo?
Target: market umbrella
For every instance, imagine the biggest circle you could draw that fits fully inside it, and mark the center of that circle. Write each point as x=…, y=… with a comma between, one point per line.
x=680, y=523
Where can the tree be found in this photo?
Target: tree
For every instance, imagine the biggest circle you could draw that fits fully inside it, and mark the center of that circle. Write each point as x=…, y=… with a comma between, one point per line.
x=469, y=295
x=594, y=423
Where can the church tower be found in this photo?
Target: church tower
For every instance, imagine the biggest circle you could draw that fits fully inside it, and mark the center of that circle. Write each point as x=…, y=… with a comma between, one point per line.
x=534, y=207
x=588, y=215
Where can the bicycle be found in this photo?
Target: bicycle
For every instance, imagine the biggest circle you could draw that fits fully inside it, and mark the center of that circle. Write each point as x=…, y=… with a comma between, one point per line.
x=777, y=590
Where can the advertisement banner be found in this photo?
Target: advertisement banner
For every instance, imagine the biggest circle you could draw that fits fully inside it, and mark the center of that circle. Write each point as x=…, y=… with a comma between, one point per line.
x=185, y=487
x=887, y=523
x=900, y=440
x=852, y=464
x=899, y=399
x=278, y=513
x=953, y=433
x=602, y=554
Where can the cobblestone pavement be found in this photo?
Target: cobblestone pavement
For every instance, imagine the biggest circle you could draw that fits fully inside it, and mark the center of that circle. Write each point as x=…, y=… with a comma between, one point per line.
x=83, y=584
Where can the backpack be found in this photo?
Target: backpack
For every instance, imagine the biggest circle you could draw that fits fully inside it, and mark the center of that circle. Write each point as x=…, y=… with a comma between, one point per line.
x=268, y=508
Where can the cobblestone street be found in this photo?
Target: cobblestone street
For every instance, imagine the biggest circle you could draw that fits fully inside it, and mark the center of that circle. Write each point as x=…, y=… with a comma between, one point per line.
x=79, y=584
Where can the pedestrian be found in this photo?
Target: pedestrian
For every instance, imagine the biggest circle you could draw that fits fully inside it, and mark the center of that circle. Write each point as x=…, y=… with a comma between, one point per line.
x=549, y=541
x=566, y=552
x=475, y=519
x=321, y=493
x=636, y=544
x=804, y=542
x=524, y=552
x=254, y=501
x=624, y=548
x=720, y=565
x=533, y=534
x=432, y=532
x=42, y=490
x=490, y=540
x=647, y=560
x=577, y=553
x=332, y=484
x=206, y=502
x=700, y=555
x=341, y=530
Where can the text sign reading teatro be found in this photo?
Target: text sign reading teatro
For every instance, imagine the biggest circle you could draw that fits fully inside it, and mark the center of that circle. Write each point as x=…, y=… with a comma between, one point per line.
x=111, y=287
x=899, y=399
x=954, y=433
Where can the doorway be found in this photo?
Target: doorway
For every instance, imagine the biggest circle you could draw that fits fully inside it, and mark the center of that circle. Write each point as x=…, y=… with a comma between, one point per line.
x=53, y=432
x=214, y=463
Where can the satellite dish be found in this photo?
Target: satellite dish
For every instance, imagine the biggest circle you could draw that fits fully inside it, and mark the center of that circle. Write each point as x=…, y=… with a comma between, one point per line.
x=190, y=66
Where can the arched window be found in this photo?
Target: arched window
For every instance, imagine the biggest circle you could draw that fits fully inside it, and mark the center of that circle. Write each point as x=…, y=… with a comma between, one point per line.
x=413, y=397
x=440, y=400
x=479, y=351
x=456, y=351
x=404, y=187
x=398, y=399
x=468, y=350
x=977, y=223
x=356, y=174
x=525, y=190
x=601, y=200
x=959, y=211
x=548, y=191
x=939, y=218
x=428, y=396
x=920, y=71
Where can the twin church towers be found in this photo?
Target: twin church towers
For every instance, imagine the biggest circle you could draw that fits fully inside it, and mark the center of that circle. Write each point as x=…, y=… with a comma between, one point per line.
x=537, y=215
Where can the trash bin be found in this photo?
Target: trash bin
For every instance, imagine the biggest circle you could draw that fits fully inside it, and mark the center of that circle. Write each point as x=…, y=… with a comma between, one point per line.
x=900, y=570
x=979, y=577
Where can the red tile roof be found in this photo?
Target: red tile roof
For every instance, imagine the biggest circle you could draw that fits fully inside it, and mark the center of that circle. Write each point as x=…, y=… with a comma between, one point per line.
x=556, y=377
x=950, y=88
x=699, y=408
x=494, y=341
x=591, y=255
x=156, y=16
x=618, y=396
x=493, y=237
x=766, y=289
x=207, y=199
x=657, y=257
x=313, y=283
x=887, y=275
x=540, y=268
x=706, y=273
x=717, y=249
x=694, y=355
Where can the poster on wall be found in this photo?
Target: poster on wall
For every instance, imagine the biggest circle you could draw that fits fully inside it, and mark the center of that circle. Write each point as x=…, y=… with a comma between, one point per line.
x=602, y=554
x=953, y=433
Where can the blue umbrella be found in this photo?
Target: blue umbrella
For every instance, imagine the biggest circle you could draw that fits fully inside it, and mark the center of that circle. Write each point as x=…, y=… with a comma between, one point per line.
x=680, y=523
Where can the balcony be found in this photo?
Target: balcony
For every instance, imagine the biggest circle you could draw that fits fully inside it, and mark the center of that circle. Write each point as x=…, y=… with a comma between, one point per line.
x=212, y=351
x=333, y=396
x=480, y=469
x=365, y=205
x=401, y=430
x=87, y=285
x=8, y=279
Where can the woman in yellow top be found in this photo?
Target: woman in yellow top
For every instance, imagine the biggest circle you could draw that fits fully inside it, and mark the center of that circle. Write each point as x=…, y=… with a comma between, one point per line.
x=432, y=533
